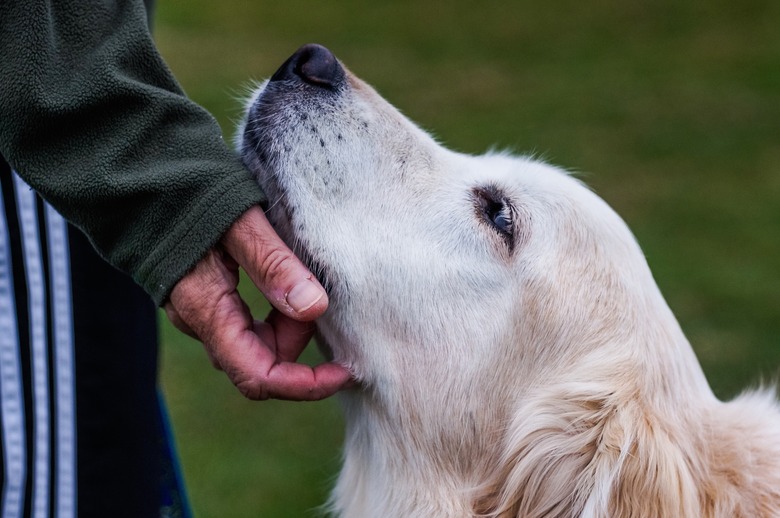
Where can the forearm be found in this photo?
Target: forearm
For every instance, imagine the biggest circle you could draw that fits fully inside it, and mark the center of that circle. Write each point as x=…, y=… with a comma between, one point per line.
x=94, y=121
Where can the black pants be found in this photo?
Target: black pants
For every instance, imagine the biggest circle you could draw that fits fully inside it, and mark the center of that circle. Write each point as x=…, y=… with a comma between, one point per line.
x=83, y=430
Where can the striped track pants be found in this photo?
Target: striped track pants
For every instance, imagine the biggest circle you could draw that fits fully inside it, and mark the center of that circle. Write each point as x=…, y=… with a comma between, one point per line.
x=83, y=430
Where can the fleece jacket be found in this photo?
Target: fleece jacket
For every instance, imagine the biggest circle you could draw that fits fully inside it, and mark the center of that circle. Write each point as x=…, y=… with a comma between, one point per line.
x=93, y=120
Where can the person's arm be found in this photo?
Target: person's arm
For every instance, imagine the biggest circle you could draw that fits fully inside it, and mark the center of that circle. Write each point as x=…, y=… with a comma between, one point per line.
x=93, y=120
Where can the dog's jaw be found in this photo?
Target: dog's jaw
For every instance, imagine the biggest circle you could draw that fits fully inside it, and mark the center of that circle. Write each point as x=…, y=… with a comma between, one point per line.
x=308, y=192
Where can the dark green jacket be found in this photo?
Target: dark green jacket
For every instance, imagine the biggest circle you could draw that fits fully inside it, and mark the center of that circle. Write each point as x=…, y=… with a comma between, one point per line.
x=93, y=120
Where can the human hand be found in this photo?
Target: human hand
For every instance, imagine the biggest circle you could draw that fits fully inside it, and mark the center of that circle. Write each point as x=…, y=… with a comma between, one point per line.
x=258, y=357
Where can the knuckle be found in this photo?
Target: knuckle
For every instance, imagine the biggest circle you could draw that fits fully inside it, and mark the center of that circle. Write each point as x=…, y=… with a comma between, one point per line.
x=275, y=264
x=253, y=389
x=172, y=314
x=178, y=321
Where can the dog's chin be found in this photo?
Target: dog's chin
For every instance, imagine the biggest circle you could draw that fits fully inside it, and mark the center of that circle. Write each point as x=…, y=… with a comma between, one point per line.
x=358, y=380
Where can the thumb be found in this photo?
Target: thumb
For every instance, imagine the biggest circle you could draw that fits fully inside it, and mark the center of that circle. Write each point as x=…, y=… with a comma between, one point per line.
x=274, y=269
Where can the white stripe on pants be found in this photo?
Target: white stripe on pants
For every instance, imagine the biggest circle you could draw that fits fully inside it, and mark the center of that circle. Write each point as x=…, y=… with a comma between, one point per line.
x=58, y=296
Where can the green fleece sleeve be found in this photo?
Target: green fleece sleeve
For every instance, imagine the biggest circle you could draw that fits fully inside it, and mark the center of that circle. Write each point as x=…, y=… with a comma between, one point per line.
x=92, y=119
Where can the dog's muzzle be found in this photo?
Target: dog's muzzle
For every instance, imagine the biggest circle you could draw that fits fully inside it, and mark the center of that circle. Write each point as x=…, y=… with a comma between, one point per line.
x=313, y=64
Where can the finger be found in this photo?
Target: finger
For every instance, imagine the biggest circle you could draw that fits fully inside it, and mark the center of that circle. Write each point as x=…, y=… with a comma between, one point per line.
x=294, y=381
x=194, y=302
x=211, y=278
x=274, y=269
x=207, y=301
x=289, y=337
x=257, y=372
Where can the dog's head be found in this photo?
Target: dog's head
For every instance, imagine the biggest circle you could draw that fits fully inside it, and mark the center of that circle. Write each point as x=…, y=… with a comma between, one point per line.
x=500, y=315
x=439, y=265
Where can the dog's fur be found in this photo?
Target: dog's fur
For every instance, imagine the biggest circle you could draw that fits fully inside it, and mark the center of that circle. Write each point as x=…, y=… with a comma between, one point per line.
x=515, y=356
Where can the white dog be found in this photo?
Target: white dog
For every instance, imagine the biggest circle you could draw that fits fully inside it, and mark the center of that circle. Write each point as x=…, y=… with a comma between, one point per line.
x=515, y=356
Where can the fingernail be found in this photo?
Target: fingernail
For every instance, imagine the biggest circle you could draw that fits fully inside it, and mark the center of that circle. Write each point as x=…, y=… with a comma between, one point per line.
x=304, y=295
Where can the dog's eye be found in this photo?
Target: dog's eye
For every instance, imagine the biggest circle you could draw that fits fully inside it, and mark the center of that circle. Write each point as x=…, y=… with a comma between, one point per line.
x=494, y=208
x=500, y=215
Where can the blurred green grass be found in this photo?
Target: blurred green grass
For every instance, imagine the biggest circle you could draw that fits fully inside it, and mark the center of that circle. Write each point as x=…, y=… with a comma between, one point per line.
x=670, y=110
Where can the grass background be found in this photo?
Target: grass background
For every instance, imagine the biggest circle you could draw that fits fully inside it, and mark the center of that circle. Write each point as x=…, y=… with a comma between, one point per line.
x=670, y=109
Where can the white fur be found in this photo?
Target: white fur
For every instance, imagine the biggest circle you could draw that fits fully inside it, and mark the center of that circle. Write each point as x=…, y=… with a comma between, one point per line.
x=548, y=378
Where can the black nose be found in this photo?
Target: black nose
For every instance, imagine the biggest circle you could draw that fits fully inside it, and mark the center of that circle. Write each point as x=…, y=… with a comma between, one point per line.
x=314, y=64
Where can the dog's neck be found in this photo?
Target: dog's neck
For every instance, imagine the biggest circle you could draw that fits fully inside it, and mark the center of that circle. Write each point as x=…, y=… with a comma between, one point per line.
x=392, y=455
x=456, y=431
x=582, y=435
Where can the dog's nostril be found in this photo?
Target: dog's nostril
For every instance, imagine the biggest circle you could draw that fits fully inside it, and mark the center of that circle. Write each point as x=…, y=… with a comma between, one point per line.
x=317, y=65
x=314, y=64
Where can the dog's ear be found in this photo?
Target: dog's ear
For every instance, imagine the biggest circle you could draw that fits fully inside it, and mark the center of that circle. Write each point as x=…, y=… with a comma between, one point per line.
x=591, y=452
